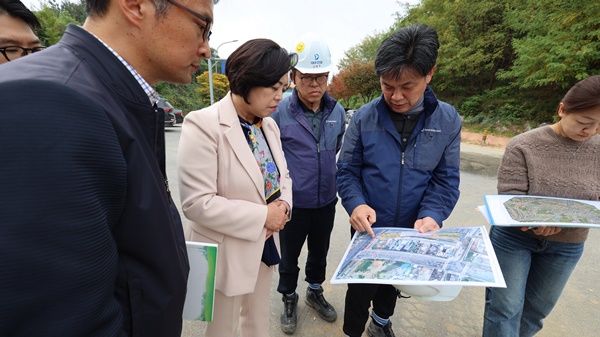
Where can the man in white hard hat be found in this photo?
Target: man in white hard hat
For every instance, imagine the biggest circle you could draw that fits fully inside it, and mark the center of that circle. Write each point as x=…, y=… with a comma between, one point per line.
x=312, y=126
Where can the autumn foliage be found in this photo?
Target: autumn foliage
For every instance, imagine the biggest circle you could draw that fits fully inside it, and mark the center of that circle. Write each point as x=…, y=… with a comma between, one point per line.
x=357, y=79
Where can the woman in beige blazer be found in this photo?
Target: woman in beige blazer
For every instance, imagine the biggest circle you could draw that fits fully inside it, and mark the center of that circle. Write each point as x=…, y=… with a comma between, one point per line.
x=235, y=187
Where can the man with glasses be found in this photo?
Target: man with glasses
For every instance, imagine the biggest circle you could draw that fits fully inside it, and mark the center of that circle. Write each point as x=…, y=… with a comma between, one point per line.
x=17, y=24
x=91, y=241
x=312, y=126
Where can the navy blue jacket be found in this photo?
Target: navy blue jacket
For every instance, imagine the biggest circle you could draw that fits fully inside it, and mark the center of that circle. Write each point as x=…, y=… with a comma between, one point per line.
x=311, y=161
x=91, y=243
x=401, y=185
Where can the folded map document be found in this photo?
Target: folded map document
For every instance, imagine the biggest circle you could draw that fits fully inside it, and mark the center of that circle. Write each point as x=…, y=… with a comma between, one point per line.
x=402, y=256
x=530, y=210
x=199, y=300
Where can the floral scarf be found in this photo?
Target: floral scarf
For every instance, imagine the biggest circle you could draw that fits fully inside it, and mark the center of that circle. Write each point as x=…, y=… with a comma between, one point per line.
x=260, y=148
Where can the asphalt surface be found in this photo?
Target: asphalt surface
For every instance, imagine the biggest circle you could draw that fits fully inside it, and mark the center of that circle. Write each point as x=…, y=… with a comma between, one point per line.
x=576, y=313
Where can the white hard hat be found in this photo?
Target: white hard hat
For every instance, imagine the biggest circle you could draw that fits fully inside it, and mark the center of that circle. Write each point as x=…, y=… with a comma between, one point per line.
x=432, y=293
x=313, y=56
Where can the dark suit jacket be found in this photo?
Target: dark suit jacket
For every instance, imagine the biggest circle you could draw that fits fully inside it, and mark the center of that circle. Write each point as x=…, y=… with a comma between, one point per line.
x=91, y=243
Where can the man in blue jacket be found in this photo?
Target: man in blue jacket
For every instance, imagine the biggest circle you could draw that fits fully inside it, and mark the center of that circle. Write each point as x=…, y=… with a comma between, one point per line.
x=312, y=126
x=91, y=243
x=399, y=165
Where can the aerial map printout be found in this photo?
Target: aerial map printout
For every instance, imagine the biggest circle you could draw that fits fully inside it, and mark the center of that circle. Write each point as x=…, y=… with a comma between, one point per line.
x=403, y=256
x=528, y=210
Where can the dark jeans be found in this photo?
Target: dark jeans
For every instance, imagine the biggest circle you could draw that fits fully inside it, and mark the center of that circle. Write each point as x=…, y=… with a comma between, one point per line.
x=313, y=225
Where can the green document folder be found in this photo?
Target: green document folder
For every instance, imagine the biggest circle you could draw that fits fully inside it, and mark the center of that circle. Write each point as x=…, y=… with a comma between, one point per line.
x=199, y=301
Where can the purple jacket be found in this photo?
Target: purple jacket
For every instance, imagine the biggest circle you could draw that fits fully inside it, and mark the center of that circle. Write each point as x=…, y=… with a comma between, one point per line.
x=311, y=161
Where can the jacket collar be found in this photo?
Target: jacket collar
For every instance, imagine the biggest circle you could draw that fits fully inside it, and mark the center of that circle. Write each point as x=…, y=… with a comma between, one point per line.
x=430, y=103
x=106, y=66
x=327, y=102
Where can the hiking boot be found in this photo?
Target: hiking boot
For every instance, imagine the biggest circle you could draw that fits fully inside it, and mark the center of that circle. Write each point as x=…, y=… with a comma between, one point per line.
x=315, y=299
x=374, y=330
x=289, y=317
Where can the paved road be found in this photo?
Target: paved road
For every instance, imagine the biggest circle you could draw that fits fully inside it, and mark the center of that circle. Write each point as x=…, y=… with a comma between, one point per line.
x=576, y=313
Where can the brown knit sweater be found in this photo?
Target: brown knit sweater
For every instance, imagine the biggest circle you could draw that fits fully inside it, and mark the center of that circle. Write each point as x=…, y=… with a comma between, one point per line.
x=535, y=163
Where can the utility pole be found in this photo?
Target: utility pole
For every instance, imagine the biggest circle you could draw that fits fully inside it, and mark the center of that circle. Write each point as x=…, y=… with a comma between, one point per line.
x=210, y=72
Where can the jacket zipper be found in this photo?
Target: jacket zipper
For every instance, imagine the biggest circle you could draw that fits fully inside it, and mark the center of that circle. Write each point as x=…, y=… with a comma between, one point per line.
x=156, y=114
x=396, y=214
x=319, y=175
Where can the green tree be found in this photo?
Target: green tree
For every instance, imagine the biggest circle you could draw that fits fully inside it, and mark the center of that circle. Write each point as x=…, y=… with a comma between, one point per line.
x=184, y=97
x=475, y=43
x=508, y=62
x=55, y=17
x=559, y=43
x=363, y=52
x=220, y=87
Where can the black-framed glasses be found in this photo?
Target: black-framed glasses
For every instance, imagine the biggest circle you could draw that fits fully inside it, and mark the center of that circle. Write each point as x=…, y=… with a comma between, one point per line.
x=320, y=79
x=206, y=32
x=12, y=53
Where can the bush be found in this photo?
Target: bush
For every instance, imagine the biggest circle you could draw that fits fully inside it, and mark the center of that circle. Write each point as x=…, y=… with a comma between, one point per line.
x=184, y=97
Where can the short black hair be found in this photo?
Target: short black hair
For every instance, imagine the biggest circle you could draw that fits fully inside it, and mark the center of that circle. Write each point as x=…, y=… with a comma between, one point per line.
x=257, y=63
x=17, y=9
x=98, y=8
x=414, y=46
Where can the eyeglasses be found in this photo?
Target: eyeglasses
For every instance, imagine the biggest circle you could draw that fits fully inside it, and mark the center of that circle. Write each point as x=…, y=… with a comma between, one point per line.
x=14, y=52
x=320, y=79
x=206, y=32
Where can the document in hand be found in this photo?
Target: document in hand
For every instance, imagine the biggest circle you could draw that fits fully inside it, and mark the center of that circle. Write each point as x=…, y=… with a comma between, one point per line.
x=531, y=211
x=401, y=256
x=200, y=296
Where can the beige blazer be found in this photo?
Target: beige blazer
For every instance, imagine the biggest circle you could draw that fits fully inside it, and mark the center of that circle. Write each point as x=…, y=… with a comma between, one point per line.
x=222, y=191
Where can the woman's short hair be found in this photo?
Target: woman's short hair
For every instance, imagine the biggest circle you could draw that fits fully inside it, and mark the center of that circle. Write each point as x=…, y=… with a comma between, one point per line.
x=257, y=63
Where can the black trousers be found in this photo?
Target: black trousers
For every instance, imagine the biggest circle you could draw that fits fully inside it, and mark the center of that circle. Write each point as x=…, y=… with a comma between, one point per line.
x=313, y=225
x=358, y=301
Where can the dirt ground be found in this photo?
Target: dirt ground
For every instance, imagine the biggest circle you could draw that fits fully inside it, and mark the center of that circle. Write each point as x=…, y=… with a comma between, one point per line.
x=490, y=140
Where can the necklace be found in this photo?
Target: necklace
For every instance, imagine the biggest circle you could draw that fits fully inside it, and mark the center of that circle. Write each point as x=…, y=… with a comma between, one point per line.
x=564, y=146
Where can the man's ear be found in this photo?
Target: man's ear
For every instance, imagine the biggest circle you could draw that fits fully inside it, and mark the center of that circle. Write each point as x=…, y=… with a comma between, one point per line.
x=430, y=75
x=135, y=11
x=293, y=76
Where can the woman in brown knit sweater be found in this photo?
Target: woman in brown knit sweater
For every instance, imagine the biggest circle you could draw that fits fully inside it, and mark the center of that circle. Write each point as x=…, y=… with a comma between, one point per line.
x=560, y=160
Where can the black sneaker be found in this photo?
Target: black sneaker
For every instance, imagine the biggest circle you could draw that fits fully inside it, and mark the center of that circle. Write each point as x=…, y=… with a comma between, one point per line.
x=315, y=299
x=374, y=330
x=289, y=317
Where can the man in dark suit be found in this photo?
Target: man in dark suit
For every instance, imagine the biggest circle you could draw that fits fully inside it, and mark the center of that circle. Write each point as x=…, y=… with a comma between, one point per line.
x=91, y=243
